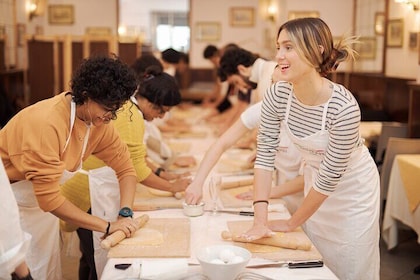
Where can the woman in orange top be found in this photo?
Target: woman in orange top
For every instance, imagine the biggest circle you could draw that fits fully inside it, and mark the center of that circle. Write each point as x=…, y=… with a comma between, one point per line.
x=45, y=143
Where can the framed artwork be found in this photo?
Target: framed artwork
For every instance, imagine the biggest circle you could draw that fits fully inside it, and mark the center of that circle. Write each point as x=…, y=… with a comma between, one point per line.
x=412, y=40
x=242, y=17
x=366, y=48
x=379, y=23
x=303, y=14
x=395, y=33
x=98, y=31
x=60, y=14
x=207, y=31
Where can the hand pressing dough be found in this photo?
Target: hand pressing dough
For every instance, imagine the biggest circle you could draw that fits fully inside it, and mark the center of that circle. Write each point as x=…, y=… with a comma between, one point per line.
x=144, y=236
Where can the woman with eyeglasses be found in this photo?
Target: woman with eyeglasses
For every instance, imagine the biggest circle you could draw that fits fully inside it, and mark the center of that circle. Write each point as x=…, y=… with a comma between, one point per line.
x=156, y=94
x=45, y=144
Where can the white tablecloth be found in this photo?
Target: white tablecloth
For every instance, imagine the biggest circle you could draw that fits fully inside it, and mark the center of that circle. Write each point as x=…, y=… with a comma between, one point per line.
x=205, y=230
x=397, y=209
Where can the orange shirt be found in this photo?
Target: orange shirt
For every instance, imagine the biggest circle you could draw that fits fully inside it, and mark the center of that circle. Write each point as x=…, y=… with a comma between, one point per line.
x=32, y=148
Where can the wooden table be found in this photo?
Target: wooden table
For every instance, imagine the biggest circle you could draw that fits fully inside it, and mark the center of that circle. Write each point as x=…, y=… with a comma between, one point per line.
x=403, y=198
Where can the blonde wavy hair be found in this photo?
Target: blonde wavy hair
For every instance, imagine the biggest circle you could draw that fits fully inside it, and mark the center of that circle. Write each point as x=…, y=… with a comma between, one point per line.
x=308, y=34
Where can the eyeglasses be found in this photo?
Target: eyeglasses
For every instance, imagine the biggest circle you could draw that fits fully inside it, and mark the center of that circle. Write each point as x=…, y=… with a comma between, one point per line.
x=110, y=114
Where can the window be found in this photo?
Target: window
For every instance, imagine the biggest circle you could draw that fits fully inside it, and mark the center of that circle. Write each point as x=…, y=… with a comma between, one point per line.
x=171, y=31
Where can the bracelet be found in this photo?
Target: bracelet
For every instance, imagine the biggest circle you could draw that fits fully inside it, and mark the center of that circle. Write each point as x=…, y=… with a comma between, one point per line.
x=159, y=170
x=107, y=228
x=259, y=201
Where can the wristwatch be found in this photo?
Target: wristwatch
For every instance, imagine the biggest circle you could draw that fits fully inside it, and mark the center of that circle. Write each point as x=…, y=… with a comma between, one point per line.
x=126, y=212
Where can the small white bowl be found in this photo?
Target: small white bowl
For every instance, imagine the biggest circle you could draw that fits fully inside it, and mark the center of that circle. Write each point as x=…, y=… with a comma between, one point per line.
x=216, y=267
x=193, y=210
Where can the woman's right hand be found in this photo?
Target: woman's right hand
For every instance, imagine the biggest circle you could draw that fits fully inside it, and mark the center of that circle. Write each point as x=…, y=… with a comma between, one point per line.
x=193, y=194
x=127, y=225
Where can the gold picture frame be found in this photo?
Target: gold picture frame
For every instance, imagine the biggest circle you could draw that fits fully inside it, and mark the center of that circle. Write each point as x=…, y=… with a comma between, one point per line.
x=242, y=17
x=379, y=23
x=207, y=31
x=302, y=14
x=395, y=33
x=366, y=48
x=61, y=14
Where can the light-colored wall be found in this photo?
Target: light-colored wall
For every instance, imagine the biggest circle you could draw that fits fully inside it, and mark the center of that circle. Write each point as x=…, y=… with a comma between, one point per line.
x=403, y=61
x=255, y=38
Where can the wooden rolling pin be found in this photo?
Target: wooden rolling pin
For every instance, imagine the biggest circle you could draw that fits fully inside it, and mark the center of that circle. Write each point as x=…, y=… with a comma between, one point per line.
x=236, y=184
x=116, y=237
x=282, y=241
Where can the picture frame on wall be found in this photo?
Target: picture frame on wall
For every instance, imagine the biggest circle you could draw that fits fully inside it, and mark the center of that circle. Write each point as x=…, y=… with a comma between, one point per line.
x=395, y=33
x=413, y=40
x=61, y=14
x=242, y=17
x=302, y=14
x=379, y=23
x=208, y=31
x=366, y=48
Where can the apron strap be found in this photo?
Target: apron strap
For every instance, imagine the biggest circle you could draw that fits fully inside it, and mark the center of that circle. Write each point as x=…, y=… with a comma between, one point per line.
x=72, y=120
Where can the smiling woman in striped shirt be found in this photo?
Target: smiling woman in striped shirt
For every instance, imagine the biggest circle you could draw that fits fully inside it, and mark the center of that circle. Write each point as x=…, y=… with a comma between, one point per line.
x=340, y=212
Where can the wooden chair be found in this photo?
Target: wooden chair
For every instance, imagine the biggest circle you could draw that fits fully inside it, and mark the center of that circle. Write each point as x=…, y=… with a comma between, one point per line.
x=395, y=146
x=389, y=129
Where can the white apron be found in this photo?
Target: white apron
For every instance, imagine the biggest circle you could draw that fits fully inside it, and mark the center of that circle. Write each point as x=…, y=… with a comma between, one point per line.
x=43, y=257
x=104, y=189
x=345, y=229
x=14, y=243
x=104, y=192
x=288, y=164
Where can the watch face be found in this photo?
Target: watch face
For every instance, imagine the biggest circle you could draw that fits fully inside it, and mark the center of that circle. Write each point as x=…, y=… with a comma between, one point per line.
x=126, y=212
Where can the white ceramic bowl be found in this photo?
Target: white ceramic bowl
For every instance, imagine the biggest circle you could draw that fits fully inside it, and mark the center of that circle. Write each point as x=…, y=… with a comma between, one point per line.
x=223, y=261
x=193, y=210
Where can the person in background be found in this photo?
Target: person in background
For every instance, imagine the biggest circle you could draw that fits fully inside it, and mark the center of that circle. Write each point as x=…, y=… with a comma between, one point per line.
x=44, y=144
x=14, y=243
x=216, y=99
x=157, y=150
x=156, y=94
x=288, y=161
x=340, y=211
x=170, y=59
x=247, y=71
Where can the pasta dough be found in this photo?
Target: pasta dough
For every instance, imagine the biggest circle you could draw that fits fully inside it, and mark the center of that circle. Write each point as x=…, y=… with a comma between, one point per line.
x=144, y=236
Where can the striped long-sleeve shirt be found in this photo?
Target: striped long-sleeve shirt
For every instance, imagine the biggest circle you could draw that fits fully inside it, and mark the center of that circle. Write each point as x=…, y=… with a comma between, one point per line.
x=342, y=124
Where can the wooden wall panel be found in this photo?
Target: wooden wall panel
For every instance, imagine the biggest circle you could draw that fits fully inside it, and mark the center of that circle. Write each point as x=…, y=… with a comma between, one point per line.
x=127, y=52
x=40, y=70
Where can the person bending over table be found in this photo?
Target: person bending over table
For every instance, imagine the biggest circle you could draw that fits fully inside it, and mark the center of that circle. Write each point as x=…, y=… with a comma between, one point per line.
x=44, y=145
x=156, y=94
x=287, y=164
x=340, y=211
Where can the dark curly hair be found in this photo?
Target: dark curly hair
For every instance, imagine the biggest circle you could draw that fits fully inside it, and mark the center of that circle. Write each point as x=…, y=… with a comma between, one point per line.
x=159, y=87
x=104, y=79
x=232, y=58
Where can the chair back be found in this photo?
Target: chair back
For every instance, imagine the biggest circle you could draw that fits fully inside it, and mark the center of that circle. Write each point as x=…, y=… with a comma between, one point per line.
x=396, y=146
x=389, y=129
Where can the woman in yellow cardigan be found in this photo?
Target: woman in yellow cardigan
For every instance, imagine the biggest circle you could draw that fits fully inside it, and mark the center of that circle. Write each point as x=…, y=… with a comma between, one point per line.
x=156, y=94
